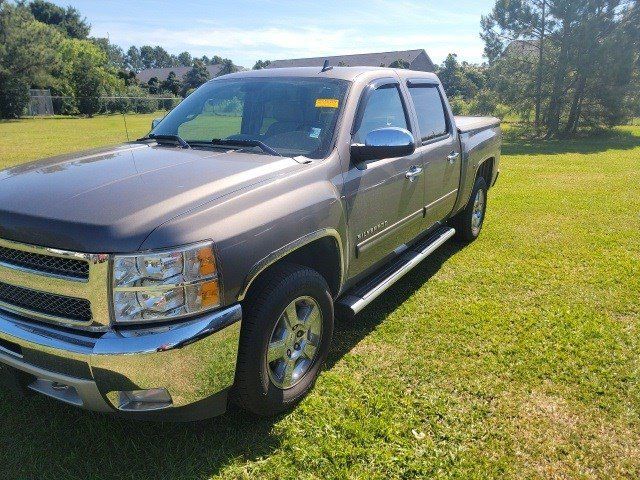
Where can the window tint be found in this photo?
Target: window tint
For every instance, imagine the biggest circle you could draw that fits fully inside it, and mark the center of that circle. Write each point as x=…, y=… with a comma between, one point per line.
x=384, y=109
x=430, y=111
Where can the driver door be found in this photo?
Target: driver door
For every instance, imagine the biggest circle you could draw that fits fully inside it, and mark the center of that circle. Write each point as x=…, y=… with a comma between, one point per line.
x=384, y=198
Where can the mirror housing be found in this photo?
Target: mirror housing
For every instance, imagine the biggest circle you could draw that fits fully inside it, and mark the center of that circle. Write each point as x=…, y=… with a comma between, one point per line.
x=388, y=142
x=155, y=122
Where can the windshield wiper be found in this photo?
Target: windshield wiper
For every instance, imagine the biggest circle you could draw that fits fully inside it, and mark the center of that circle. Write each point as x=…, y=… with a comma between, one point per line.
x=246, y=143
x=176, y=138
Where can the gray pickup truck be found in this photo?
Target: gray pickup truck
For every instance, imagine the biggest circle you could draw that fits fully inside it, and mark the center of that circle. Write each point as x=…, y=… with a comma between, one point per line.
x=205, y=262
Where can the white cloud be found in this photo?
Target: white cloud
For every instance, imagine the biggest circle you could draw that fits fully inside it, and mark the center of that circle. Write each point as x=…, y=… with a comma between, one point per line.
x=247, y=45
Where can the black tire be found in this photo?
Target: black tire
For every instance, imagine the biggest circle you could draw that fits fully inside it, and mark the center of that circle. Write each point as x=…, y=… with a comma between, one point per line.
x=256, y=390
x=463, y=222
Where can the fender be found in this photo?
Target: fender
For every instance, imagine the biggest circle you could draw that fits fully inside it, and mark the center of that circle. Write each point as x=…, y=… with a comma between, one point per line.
x=291, y=247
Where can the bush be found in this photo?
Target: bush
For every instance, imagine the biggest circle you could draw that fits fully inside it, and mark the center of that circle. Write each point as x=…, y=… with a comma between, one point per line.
x=14, y=97
x=459, y=105
x=484, y=103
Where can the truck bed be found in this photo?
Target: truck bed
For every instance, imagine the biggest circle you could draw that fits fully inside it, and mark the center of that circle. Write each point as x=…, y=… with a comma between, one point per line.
x=468, y=124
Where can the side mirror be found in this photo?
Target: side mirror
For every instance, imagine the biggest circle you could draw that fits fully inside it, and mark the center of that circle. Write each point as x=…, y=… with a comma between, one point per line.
x=155, y=122
x=388, y=142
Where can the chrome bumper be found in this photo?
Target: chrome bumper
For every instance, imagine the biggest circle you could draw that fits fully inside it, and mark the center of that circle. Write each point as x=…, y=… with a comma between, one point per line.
x=193, y=361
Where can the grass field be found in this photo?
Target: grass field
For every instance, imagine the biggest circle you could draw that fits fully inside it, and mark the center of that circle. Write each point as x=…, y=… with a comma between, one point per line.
x=514, y=357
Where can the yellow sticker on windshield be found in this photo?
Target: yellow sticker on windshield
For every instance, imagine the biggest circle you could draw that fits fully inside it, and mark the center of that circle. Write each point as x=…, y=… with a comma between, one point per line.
x=327, y=103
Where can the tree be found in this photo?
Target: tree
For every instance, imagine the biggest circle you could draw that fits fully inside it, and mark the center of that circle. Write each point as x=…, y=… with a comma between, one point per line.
x=583, y=54
x=27, y=57
x=227, y=67
x=463, y=80
x=172, y=84
x=400, y=64
x=162, y=58
x=68, y=20
x=114, y=53
x=85, y=74
x=147, y=56
x=133, y=59
x=153, y=85
x=128, y=77
x=185, y=59
x=261, y=64
x=195, y=77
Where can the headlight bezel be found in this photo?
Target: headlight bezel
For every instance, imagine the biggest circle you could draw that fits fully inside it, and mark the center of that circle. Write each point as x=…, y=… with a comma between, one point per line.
x=209, y=283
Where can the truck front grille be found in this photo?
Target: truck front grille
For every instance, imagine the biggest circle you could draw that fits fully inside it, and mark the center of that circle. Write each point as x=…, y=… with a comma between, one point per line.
x=46, y=303
x=70, y=289
x=68, y=267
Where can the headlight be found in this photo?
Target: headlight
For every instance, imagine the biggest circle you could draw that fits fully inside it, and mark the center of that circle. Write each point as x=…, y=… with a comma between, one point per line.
x=164, y=285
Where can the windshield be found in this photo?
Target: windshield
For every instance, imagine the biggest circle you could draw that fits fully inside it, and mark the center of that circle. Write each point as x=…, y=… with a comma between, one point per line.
x=293, y=116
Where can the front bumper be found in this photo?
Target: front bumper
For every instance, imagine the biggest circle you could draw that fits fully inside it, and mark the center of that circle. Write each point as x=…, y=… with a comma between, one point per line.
x=194, y=361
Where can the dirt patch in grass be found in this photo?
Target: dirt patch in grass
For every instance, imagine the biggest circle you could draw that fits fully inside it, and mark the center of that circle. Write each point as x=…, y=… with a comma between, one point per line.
x=553, y=439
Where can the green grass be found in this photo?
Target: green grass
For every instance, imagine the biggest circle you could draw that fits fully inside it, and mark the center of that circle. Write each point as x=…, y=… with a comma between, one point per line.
x=514, y=357
x=29, y=139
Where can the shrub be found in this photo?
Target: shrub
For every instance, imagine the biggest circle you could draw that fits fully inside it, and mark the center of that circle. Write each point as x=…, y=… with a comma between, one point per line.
x=459, y=105
x=14, y=97
x=484, y=103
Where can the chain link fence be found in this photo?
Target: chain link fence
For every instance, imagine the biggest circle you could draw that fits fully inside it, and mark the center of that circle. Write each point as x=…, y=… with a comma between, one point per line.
x=42, y=103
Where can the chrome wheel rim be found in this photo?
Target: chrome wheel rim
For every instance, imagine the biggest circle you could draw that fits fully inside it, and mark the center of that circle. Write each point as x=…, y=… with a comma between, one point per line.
x=294, y=342
x=478, y=212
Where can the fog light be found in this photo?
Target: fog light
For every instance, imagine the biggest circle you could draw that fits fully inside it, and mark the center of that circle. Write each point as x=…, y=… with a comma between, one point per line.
x=144, y=400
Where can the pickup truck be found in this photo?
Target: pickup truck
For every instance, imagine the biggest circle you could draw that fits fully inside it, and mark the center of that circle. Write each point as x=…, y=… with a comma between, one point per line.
x=205, y=262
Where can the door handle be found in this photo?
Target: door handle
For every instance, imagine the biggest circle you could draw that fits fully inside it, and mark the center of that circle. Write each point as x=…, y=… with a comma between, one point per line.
x=452, y=157
x=413, y=173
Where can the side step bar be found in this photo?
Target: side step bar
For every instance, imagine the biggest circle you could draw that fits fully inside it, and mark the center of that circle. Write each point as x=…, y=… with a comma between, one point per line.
x=361, y=296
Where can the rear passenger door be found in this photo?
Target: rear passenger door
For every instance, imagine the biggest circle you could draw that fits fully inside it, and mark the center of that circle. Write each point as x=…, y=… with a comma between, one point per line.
x=438, y=147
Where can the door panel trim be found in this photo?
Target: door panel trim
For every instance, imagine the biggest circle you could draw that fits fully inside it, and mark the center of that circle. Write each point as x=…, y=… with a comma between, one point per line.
x=383, y=234
x=444, y=197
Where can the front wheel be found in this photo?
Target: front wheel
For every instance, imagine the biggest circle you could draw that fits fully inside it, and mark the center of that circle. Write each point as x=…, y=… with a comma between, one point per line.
x=285, y=339
x=468, y=222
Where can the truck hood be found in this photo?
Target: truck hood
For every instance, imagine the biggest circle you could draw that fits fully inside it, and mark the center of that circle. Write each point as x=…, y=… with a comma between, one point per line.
x=110, y=200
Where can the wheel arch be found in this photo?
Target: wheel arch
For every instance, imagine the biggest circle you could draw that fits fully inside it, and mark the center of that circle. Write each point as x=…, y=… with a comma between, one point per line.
x=321, y=250
x=485, y=170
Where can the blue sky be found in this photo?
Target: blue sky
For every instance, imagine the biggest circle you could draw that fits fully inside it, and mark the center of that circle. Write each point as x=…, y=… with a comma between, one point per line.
x=246, y=31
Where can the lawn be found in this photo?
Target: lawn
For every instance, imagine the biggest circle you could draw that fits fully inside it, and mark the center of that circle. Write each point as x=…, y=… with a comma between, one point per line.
x=514, y=357
x=33, y=138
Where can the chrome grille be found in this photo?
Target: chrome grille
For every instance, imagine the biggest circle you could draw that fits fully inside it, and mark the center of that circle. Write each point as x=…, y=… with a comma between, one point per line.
x=55, y=286
x=46, y=303
x=68, y=267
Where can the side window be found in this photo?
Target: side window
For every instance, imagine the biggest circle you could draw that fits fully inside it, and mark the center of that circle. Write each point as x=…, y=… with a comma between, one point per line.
x=430, y=110
x=384, y=109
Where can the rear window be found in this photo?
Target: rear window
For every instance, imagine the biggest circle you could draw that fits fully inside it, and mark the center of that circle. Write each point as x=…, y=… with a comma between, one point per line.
x=430, y=110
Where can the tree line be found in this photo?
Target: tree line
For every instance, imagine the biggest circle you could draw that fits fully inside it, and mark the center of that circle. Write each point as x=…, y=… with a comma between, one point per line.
x=558, y=66
x=565, y=64
x=44, y=46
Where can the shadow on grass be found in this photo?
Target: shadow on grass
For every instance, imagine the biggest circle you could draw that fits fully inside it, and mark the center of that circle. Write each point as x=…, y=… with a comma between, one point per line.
x=348, y=333
x=598, y=142
x=41, y=438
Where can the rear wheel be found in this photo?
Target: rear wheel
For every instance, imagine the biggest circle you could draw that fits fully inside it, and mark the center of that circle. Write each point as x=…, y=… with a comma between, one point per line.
x=468, y=222
x=286, y=333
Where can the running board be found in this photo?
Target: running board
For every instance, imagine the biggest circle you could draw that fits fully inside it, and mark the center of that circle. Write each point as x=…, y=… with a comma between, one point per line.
x=361, y=296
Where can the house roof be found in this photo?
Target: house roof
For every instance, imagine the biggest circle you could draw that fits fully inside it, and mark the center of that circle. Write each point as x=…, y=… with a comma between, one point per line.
x=343, y=73
x=417, y=59
x=162, y=73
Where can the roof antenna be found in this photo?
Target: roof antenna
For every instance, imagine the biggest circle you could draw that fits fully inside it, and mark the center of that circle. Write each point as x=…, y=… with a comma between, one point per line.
x=326, y=67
